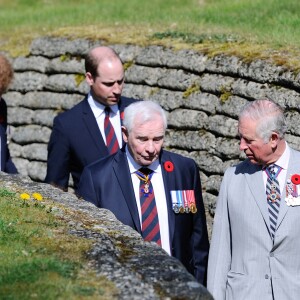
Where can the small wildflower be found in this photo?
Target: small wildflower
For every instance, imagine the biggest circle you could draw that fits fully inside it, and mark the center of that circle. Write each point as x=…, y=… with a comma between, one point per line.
x=37, y=196
x=25, y=196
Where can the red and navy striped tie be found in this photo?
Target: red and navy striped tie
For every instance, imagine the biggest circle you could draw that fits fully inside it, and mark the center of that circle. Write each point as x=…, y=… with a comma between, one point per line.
x=111, y=138
x=150, y=223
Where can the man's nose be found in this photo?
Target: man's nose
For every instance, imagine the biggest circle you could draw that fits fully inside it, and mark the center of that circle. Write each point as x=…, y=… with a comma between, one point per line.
x=243, y=145
x=117, y=89
x=150, y=147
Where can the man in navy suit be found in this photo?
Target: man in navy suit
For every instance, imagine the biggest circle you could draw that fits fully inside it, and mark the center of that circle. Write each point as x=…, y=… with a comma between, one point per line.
x=6, y=75
x=78, y=136
x=172, y=180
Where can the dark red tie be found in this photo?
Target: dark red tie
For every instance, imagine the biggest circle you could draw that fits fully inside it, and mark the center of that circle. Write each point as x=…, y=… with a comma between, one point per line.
x=150, y=224
x=111, y=138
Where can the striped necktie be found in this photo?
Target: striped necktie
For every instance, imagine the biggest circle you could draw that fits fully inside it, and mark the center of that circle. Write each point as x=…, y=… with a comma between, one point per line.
x=150, y=223
x=111, y=138
x=273, y=196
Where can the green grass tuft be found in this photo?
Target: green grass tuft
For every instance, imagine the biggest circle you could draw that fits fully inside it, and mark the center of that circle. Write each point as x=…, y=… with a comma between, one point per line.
x=39, y=259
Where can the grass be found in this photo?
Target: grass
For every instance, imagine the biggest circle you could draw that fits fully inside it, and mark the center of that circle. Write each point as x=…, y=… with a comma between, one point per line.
x=39, y=259
x=240, y=26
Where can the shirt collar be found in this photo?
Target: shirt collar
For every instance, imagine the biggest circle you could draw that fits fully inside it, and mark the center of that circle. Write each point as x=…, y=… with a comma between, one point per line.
x=98, y=108
x=134, y=166
x=283, y=160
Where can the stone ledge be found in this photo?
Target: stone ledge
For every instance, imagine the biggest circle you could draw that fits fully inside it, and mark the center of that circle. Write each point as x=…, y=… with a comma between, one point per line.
x=139, y=270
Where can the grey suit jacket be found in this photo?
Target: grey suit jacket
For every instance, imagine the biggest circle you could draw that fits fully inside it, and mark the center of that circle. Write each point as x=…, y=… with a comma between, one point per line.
x=243, y=261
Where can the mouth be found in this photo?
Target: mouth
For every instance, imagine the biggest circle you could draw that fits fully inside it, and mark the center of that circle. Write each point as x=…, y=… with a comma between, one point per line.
x=149, y=157
x=249, y=155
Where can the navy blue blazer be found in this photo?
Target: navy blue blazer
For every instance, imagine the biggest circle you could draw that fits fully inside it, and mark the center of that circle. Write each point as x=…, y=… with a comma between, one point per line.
x=75, y=142
x=6, y=163
x=107, y=183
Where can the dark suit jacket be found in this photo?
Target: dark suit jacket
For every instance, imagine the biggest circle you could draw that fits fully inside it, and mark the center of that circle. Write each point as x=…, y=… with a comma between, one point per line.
x=75, y=142
x=107, y=183
x=6, y=163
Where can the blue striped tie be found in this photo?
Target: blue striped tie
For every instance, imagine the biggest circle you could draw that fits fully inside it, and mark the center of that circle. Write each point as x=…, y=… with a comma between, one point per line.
x=273, y=196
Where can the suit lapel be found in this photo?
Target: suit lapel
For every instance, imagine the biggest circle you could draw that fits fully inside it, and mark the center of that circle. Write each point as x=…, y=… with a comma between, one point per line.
x=293, y=168
x=167, y=178
x=123, y=176
x=92, y=126
x=255, y=182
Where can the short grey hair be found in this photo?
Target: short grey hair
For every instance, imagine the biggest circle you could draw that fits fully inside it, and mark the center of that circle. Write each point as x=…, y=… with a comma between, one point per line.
x=268, y=115
x=145, y=111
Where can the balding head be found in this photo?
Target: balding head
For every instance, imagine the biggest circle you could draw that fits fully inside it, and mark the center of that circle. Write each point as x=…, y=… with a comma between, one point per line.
x=104, y=75
x=98, y=55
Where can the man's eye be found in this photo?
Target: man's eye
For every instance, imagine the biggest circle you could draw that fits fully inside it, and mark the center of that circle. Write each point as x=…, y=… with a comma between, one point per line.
x=108, y=83
x=157, y=139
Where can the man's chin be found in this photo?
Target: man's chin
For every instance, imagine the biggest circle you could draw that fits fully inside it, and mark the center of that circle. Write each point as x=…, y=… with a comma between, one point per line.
x=112, y=101
x=252, y=160
x=148, y=161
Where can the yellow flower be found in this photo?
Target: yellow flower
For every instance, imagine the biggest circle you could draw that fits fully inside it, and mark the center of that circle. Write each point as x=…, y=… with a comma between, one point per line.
x=25, y=196
x=37, y=196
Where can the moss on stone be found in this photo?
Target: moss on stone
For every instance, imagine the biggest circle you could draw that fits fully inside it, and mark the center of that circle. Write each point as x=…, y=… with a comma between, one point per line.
x=225, y=96
x=128, y=64
x=190, y=90
x=154, y=91
x=79, y=78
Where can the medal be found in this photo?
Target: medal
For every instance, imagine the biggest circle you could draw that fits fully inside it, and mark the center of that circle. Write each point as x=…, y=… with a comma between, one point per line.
x=273, y=196
x=183, y=201
x=176, y=209
x=293, y=191
x=181, y=209
x=187, y=209
x=193, y=208
x=145, y=188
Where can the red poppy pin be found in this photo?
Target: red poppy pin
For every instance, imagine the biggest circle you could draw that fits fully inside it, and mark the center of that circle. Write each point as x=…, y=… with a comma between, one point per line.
x=122, y=115
x=169, y=167
x=295, y=179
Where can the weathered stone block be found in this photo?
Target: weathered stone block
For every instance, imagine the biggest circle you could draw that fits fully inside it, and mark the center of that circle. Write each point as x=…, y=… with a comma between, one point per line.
x=32, y=63
x=187, y=119
x=28, y=81
x=66, y=84
x=31, y=134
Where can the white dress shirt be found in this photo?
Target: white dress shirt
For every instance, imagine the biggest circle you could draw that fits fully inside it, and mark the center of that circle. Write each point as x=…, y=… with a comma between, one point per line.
x=99, y=113
x=282, y=162
x=160, y=197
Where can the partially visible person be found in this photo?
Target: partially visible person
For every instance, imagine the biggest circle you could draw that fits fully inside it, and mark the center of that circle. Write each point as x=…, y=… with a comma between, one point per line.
x=91, y=129
x=254, y=251
x=156, y=192
x=6, y=76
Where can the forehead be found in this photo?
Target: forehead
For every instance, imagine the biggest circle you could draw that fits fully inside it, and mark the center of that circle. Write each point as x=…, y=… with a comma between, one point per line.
x=153, y=127
x=247, y=127
x=110, y=70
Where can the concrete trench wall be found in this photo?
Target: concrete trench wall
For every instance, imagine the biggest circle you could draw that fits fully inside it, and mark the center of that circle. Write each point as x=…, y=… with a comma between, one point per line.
x=202, y=96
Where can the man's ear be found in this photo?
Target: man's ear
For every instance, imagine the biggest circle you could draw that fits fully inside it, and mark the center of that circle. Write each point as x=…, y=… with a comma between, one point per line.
x=274, y=139
x=89, y=78
x=124, y=134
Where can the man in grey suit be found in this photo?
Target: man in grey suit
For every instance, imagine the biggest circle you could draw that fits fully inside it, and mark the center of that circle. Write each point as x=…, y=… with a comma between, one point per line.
x=255, y=247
